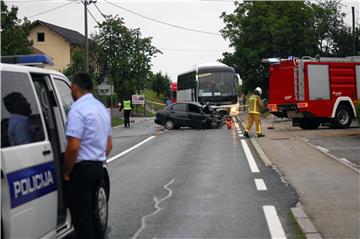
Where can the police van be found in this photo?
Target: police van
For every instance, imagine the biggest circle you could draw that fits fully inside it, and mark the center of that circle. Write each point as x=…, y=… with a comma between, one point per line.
x=34, y=105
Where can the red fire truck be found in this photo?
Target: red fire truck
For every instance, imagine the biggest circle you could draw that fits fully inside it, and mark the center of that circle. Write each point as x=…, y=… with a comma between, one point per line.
x=314, y=91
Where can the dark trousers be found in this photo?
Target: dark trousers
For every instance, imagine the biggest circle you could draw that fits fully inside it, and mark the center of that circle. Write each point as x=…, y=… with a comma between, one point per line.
x=127, y=118
x=85, y=179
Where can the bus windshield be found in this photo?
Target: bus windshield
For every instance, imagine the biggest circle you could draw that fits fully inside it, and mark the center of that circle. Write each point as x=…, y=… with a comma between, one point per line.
x=216, y=84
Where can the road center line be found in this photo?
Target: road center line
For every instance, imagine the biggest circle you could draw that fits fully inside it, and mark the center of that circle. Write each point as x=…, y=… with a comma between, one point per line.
x=250, y=158
x=130, y=149
x=158, y=209
x=260, y=184
x=273, y=221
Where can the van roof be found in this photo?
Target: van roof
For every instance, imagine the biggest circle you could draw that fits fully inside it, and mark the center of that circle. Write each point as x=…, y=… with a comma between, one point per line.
x=28, y=69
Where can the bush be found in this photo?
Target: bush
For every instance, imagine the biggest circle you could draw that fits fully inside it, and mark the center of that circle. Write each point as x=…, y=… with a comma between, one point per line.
x=357, y=106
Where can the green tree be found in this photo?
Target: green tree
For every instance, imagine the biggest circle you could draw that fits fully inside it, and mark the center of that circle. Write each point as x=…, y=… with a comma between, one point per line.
x=14, y=32
x=258, y=29
x=161, y=84
x=124, y=55
x=78, y=63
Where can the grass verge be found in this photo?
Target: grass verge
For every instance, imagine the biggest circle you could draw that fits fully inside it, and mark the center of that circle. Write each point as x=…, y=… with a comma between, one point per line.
x=116, y=121
x=298, y=232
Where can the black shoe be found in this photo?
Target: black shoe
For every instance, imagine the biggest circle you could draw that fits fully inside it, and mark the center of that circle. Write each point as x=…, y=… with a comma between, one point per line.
x=260, y=135
x=246, y=134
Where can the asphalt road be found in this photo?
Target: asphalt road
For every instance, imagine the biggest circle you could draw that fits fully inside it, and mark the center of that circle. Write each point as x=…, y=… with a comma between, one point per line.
x=193, y=184
x=346, y=148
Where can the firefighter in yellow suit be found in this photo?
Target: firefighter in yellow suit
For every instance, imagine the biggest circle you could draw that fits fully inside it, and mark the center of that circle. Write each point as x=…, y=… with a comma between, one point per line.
x=255, y=105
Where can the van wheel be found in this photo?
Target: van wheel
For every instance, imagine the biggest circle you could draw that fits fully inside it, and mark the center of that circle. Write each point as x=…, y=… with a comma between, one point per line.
x=310, y=123
x=169, y=124
x=342, y=118
x=101, y=208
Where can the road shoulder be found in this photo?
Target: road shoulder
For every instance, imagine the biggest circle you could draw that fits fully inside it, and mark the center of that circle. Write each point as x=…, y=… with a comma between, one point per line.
x=328, y=191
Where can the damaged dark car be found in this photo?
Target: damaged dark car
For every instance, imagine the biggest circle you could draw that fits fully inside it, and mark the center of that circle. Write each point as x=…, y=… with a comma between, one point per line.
x=191, y=115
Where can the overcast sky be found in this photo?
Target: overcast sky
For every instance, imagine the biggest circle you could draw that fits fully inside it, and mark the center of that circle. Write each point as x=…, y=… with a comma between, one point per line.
x=181, y=49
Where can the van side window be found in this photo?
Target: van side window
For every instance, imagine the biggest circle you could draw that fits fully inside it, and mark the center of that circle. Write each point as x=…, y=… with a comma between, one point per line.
x=65, y=94
x=20, y=117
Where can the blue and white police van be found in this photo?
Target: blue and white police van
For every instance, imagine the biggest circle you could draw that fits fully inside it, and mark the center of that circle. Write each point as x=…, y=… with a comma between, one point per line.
x=34, y=105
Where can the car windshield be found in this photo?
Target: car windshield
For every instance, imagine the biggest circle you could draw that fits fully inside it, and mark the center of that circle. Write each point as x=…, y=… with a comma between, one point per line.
x=216, y=84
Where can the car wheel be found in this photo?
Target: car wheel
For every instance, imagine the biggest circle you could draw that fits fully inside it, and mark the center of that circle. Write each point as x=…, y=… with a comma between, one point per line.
x=342, y=117
x=101, y=208
x=169, y=124
x=214, y=125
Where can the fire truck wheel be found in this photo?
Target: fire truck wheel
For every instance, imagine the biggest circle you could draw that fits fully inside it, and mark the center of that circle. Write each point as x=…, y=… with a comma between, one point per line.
x=169, y=124
x=310, y=123
x=342, y=117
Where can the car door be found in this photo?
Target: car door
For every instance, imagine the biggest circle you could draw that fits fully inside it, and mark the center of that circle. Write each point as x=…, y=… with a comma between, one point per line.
x=179, y=115
x=28, y=182
x=197, y=118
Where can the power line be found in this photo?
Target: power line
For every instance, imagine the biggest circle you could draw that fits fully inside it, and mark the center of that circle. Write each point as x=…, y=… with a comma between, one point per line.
x=164, y=23
x=191, y=50
x=93, y=16
x=53, y=9
x=102, y=14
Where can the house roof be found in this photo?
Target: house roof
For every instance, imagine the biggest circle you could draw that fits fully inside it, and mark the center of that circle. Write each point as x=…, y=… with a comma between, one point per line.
x=71, y=36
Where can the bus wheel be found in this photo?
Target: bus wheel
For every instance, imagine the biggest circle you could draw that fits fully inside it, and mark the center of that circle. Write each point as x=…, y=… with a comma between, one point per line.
x=342, y=117
x=310, y=123
x=169, y=124
x=101, y=208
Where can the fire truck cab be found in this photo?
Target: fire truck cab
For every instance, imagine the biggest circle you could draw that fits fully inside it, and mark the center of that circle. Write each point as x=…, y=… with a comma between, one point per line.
x=314, y=91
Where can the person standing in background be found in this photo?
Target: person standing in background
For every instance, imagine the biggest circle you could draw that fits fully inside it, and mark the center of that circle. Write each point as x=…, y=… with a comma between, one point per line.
x=127, y=106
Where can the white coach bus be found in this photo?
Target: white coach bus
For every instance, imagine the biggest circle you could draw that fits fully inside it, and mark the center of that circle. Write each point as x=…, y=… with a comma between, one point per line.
x=213, y=84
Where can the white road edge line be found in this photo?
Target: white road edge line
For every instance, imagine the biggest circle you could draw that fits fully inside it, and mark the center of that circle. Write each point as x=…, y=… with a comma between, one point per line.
x=260, y=184
x=130, y=149
x=250, y=158
x=273, y=222
x=348, y=162
x=322, y=149
x=158, y=209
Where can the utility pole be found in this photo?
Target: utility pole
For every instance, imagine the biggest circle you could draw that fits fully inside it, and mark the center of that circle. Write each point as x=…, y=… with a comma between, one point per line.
x=86, y=3
x=353, y=28
x=86, y=38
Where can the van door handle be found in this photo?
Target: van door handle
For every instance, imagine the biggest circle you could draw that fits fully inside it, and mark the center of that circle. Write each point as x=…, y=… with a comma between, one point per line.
x=46, y=152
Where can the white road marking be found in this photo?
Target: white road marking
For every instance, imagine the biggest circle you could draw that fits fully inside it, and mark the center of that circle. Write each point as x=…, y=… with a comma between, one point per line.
x=158, y=209
x=130, y=149
x=322, y=149
x=260, y=184
x=241, y=135
x=273, y=222
x=348, y=162
x=250, y=158
x=118, y=126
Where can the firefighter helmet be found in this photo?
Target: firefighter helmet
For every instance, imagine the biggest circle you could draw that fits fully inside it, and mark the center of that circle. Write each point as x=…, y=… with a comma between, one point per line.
x=259, y=90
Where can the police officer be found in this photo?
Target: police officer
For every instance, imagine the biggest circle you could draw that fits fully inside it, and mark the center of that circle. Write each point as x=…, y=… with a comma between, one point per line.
x=127, y=106
x=255, y=104
x=88, y=133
